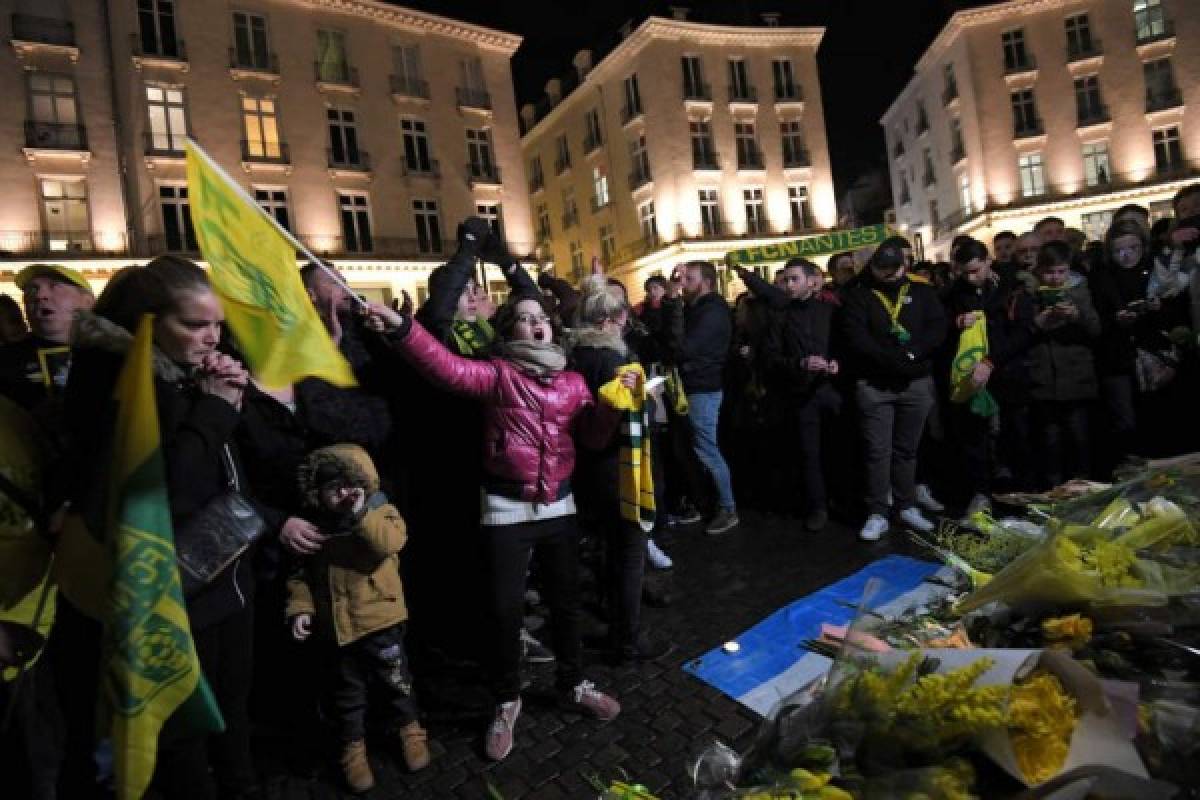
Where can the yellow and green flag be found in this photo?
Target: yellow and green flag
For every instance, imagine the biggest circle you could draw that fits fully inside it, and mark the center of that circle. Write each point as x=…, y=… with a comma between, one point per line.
x=151, y=668
x=253, y=271
x=972, y=348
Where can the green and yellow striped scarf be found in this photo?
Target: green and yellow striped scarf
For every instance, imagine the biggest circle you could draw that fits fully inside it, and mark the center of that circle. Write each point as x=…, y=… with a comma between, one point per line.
x=635, y=474
x=473, y=339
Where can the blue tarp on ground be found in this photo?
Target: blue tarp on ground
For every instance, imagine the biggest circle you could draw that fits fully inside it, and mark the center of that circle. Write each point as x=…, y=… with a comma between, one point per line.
x=772, y=647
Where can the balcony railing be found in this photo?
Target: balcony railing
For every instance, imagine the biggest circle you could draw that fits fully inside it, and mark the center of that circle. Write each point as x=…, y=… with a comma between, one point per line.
x=166, y=49
x=1157, y=101
x=1078, y=51
x=570, y=219
x=750, y=159
x=743, y=94
x=473, y=98
x=409, y=87
x=336, y=74
x=537, y=183
x=265, y=152
x=163, y=145
x=55, y=136
x=481, y=173
x=1154, y=30
x=639, y=178
x=158, y=243
x=356, y=161
x=796, y=157
x=43, y=30
x=700, y=92
x=630, y=113
x=561, y=165
x=266, y=63
x=429, y=168
x=706, y=160
x=1092, y=114
x=1027, y=63
x=957, y=154
x=46, y=243
x=788, y=94
x=591, y=141
x=929, y=178
x=949, y=94
x=377, y=246
x=1027, y=128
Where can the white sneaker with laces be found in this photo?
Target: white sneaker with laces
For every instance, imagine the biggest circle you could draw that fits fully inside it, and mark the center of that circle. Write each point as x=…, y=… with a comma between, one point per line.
x=927, y=501
x=658, y=559
x=913, y=518
x=874, y=529
x=498, y=741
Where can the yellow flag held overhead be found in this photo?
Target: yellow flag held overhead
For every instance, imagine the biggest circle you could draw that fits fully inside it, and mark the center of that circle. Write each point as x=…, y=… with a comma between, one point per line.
x=253, y=271
x=151, y=670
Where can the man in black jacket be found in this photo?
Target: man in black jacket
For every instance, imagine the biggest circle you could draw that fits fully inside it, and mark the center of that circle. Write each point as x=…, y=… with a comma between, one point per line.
x=891, y=327
x=796, y=362
x=707, y=331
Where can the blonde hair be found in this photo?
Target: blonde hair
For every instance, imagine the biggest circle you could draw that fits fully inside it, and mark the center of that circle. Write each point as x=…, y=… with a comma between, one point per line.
x=600, y=302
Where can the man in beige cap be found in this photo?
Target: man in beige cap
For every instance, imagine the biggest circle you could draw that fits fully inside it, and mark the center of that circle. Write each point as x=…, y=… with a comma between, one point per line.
x=35, y=368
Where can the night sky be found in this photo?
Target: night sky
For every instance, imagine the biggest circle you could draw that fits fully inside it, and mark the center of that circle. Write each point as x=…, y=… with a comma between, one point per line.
x=865, y=59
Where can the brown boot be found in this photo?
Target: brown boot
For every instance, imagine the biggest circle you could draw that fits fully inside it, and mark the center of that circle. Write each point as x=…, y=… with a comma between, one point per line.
x=355, y=766
x=412, y=738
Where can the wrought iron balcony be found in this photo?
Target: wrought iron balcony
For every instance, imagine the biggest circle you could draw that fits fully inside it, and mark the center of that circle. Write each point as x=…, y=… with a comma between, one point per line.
x=561, y=165
x=1153, y=30
x=699, y=92
x=957, y=154
x=743, y=94
x=949, y=94
x=791, y=93
x=630, y=113
x=43, y=30
x=350, y=160
x=1091, y=114
x=161, y=48
x=639, y=178
x=705, y=160
x=46, y=243
x=409, y=87
x=336, y=74
x=421, y=168
x=1026, y=63
x=473, y=98
x=750, y=159
x=253, y=61
x=1078, y=51
x=592, y=141
x=1027, y=128
x=163, y=145
x=599, y=204
x=482, y=173
x=1157, y=101
x=257, y=152
x=55, y=136
x=794, y=157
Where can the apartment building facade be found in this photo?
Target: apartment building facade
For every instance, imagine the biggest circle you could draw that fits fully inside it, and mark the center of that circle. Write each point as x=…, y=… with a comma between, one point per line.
x=366, y=129
x=684, y=142
x=1030, y=108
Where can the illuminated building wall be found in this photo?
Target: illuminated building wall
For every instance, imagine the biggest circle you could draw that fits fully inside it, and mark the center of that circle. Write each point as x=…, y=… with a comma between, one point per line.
x=1066, y=108
x=744, y=91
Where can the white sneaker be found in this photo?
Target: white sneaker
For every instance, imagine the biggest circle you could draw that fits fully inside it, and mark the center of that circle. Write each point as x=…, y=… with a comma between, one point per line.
x=979, y=502
x=927, y=501
x=876, y=527
x=658, y=559
x=913, y=518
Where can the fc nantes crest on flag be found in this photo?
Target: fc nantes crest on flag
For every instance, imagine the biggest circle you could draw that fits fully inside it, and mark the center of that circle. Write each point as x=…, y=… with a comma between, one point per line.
x=152, y=668
x=254, y=273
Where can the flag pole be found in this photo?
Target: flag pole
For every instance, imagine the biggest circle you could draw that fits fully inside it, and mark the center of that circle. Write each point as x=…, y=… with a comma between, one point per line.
x=284, y=232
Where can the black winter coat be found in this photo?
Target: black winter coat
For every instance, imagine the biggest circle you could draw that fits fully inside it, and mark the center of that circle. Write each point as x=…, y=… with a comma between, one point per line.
x=871, y=352
x=1009, y=311
x=798, y=329
x=596, y=481
x=708, y=329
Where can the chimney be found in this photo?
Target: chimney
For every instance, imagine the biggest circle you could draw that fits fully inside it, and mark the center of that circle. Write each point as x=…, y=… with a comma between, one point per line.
x=554, y=90
x=583, y=63
x=679, y=13
x=528, y=115
x=771, y=19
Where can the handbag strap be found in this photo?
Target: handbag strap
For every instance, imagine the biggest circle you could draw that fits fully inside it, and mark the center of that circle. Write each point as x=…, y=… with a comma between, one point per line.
x=229, y=468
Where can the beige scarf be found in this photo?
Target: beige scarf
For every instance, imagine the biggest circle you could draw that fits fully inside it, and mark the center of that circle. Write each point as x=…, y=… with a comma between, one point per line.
x=541, y=360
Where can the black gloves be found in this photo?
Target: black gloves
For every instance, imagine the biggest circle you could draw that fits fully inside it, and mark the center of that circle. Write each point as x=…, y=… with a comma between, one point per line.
x=473, y=234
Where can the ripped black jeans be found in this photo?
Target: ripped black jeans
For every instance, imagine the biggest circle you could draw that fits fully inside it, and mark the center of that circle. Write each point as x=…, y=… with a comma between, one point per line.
x=376, y=662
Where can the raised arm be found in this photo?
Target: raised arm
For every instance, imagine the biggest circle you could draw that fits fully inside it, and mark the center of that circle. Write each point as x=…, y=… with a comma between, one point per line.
x=430, y=357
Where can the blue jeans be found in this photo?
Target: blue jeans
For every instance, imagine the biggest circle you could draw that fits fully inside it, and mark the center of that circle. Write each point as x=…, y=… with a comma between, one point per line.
x=703, y=408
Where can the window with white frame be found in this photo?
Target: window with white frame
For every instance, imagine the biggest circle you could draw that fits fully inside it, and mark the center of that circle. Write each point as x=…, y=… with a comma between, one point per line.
x=1033, y=179
x=262, y=127
x=428, y=223
x=479, y=154
x=964, y=195
x=957, y=149
x=408, y=75
x=1015, y=56
x=576, y=260
x=739, y=80
x=747, y=148
x=594, y=136
x=562, y=160
x=608, y=245
x=416, y=145
x=1079, y=35
x=1088, y=107
x=1149, y=19
x=355, y=214
x=54, y=113
x=178, y=234
x=1095, y=164
x=1160, y=83
x=490, y=213
x=798, y=204
x=275, y=202
x=250, y=47
x=756, y=219
x=785, y=79
x=600, y=197
x=639, y=159
x=795, y=154
x=704, y=152
x=167, y=117
x=1024, y=112
x=633, y=97
x=537, y=178
x=710, y=212
x=156, y=28
x=693, y=78
x=65, y=214
x=646, y=220
x=343, y=137
x=332, y=63
x=544, y=231
x=1168, y=150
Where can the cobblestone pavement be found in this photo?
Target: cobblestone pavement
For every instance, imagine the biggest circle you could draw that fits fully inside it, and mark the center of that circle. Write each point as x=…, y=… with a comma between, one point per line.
x=720, y=586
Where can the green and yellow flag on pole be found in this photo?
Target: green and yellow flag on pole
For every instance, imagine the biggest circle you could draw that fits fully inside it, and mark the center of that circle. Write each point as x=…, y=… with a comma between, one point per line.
x=253, y=271
x=151, y=667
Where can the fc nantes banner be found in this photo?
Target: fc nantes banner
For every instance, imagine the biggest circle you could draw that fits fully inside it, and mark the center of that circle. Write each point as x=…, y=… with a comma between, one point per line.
x=820, y=245
x=254, y=273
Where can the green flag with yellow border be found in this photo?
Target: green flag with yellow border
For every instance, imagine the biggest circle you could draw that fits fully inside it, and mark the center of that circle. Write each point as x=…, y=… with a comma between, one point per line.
x=151, y=668
x=253, y=271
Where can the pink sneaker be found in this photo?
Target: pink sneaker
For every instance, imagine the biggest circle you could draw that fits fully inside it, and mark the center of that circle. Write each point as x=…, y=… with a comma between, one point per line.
x=498, y=741
x=585, y=698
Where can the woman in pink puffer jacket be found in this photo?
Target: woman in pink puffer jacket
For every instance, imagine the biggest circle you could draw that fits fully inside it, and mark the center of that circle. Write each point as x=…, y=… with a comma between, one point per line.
x=532, y=410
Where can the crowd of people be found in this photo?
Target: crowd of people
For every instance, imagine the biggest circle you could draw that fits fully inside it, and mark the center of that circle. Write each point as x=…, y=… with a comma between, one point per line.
x=510, y=446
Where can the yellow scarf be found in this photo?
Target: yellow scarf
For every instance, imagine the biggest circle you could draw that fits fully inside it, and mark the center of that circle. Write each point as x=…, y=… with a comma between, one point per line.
x=635, y=474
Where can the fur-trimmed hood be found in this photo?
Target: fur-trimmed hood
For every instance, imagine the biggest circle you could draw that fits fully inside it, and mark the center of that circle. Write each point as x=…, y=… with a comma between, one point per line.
x=594, y=337
x=90, y=332
x=347, y=462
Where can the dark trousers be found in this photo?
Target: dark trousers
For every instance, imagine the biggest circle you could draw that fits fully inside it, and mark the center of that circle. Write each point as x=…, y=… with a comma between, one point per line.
x=182, y=773
x=625, y=565
x=1014, y=443
x=811, y=414
x=892, y=424
x=1061, y=435
x=554, y=544
x=975, y=441
x=378, y=661
x=31, y=748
